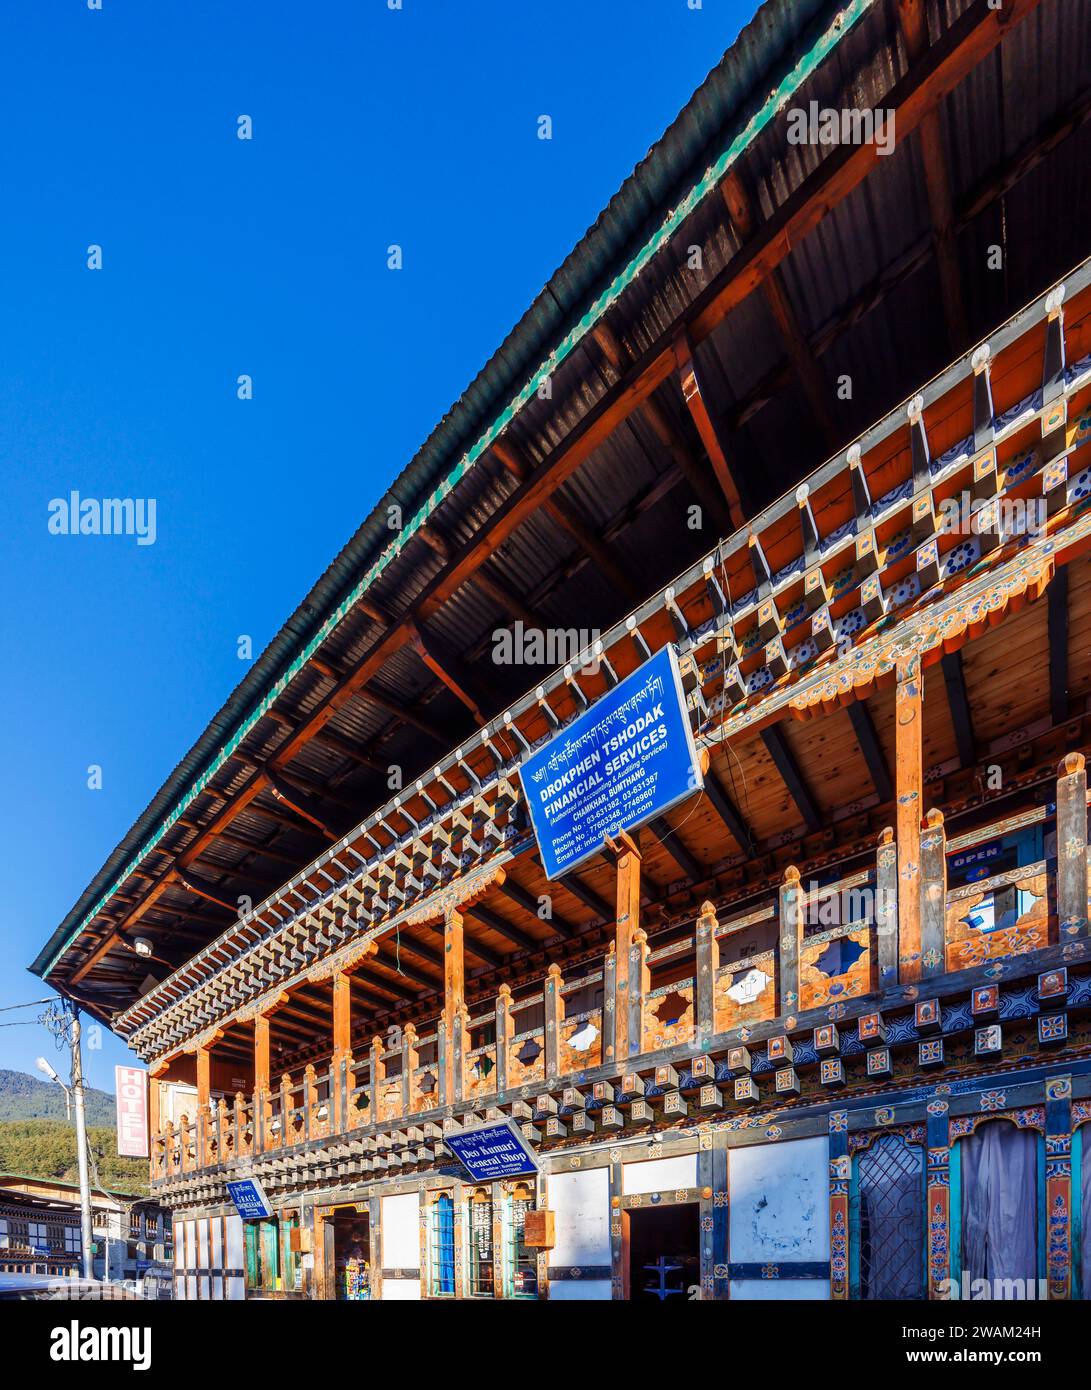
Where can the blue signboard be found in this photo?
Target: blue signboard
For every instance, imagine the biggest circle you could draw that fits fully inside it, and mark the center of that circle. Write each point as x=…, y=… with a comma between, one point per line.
x=492, y=1151
x=250, y=1199
x=627, y=759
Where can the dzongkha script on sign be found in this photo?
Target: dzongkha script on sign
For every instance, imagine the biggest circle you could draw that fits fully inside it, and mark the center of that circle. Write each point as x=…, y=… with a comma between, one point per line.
x=628, y=758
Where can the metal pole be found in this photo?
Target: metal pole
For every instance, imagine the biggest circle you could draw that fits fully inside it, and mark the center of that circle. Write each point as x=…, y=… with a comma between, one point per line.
x=81, y=1148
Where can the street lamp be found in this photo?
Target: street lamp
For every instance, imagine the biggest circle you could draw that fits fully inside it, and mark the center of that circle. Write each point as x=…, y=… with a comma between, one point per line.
x=44, y=1067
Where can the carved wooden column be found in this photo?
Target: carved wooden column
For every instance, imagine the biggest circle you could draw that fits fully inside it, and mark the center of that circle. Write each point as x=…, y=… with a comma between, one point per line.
x=712, y=1185
x=285, y=1106
x=909, y=780
x=627, y=857
x=938, y=1200
x=791, y=939
x=886, y=908
x=454, y=1004
x=1062, y=1268
x=933, y=862
x=378, y=1077
x=553, y=1003
x=309, y=1106
x=707, y=964
x=409, y=1066
x=1072, y=847
x=505, y=1031
x=342, y=1013
x=640, y=983
x=840, y=1174
x=261, y=1080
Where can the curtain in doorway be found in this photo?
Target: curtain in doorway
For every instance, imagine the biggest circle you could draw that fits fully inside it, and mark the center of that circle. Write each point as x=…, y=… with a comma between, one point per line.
x=999, y=1203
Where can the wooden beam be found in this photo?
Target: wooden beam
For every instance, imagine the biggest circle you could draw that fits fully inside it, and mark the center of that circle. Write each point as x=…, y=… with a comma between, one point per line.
x=727, y=811
x=712, y=498
x=872, y=750
x=496, y=923
x=955, y=682
x=568, y=518
x=786, y=765
x=667, y=836
x=937, y=182
x=1057, y=627
x=740, y=209
x=454, y=1004
x=303, y=805
x=697, y=403
x=448, y=668
x=560, y=925
x=590, y=899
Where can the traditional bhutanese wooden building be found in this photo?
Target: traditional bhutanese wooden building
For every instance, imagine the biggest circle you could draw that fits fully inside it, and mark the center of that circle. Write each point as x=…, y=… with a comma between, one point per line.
x=786, y=1039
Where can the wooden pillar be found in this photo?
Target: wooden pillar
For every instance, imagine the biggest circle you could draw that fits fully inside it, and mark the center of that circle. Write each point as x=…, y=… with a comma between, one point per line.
x=933, y=895
x=409, y=1066
x=1072, y=847
x=639, y=986
x=154, y=1110
x=1062, y=1265
x=938, y=1201
x=375, y=1234
x=619, y=1245
x=309, y=1106
x=609, y=1005
x=454, y=1004
x=505, y=1031
x=627, y=856
x=712, y=1184
x=204, y=1078
x=378, y=1077
x=261, y=1052
x=909, y=783
x=342, y=1013
x=707, y=964
x=840, y=1173
x=791, y=939
x=285, y=1106
x=261, y=1081
x=554, y=1017
x=886, y=908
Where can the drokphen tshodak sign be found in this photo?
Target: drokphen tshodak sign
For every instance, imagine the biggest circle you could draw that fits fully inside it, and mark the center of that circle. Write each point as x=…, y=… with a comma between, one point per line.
x=627, y=759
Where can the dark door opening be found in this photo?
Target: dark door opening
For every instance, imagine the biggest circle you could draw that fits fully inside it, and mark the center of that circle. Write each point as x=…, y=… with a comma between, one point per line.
x=351, y=1232
x=664, y=1253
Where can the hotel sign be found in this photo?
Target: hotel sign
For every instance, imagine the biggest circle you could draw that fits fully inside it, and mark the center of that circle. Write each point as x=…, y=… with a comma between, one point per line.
x=492, y=1151
x=131, y=1090
x=624, y=761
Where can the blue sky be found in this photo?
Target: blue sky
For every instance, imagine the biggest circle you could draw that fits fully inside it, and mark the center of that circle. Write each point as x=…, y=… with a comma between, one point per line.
x=268, y=257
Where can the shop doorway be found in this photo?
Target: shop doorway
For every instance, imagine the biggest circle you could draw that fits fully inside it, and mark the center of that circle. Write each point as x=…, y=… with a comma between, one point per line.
x=348, y=1251
x=664, y=1253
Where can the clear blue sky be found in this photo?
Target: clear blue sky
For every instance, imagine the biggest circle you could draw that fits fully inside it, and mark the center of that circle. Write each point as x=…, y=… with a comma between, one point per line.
x=267, y=257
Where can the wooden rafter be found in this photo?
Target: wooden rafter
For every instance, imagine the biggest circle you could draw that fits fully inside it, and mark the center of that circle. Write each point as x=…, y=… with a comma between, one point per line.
x=777, y=748
x=740, y=209
x=958, y=703
x=868, y=742
x=937, y=182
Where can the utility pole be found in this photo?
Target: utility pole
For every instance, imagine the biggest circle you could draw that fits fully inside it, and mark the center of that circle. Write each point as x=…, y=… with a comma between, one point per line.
x=81, y=1146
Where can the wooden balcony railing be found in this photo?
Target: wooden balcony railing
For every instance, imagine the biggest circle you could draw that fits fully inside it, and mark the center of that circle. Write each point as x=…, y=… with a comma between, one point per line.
x=810, y=946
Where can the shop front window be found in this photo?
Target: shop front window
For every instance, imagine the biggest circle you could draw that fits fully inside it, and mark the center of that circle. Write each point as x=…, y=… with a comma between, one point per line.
x=481, y=1244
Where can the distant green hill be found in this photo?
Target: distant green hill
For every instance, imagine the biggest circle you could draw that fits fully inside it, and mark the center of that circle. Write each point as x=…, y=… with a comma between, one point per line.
x=24, y=1097
x=47, y=1149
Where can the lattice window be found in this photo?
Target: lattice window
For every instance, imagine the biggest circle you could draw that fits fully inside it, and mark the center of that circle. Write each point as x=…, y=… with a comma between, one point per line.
x=890, y=1184
x=481, y=1244
x=441, y=1245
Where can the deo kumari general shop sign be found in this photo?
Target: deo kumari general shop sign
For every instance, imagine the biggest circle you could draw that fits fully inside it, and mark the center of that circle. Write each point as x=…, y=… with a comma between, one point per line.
x=627, y=759
x=492, y=1151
